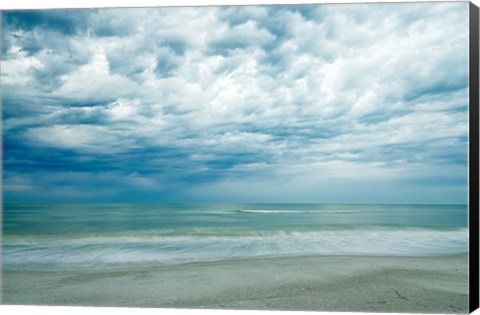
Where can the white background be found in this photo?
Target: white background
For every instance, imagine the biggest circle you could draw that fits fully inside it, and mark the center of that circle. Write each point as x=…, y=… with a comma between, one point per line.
x=30, y=4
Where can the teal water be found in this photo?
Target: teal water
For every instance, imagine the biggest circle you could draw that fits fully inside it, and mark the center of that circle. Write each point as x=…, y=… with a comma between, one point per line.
x=106, y=235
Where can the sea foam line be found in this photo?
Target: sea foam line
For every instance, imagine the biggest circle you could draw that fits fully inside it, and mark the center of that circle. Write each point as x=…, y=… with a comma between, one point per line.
x=167, y=249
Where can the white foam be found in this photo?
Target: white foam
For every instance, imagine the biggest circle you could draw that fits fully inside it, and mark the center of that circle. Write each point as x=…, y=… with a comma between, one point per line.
x=294, y=211
x=170, y=248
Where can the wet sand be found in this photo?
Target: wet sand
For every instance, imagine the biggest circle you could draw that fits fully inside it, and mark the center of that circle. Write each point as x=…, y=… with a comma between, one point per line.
x=328, y=283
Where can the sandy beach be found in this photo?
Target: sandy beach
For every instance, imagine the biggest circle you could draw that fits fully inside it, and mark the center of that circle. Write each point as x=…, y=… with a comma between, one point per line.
x=335, y=283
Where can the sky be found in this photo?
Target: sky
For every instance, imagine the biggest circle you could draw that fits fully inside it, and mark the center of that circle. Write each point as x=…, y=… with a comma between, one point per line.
x=358, y=103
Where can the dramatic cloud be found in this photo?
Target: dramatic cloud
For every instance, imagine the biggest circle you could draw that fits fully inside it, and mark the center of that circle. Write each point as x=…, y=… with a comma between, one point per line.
x=311, y=103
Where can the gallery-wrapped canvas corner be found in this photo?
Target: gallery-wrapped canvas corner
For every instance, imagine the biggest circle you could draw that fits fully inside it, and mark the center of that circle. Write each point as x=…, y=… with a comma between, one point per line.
x=270, y=157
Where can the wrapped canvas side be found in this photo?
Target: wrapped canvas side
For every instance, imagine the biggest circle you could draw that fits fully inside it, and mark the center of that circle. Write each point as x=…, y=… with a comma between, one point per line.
x=473, y=198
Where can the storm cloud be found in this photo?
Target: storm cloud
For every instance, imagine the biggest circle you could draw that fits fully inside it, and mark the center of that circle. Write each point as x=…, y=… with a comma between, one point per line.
x=306, y=103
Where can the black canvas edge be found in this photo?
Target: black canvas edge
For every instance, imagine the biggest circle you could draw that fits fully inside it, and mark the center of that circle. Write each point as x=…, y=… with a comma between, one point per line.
x=474, y=159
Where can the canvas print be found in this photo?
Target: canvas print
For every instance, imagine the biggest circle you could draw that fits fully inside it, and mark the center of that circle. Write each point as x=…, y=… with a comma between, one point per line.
x=282, y=157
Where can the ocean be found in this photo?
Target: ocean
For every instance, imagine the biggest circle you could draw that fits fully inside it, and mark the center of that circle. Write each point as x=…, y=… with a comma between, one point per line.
x=54, y=236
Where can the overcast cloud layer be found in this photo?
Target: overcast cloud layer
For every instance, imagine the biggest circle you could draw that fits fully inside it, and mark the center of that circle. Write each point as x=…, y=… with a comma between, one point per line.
x=322, y=103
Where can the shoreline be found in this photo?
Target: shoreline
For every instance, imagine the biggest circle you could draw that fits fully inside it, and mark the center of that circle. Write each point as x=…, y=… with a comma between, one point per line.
x=315, y=283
